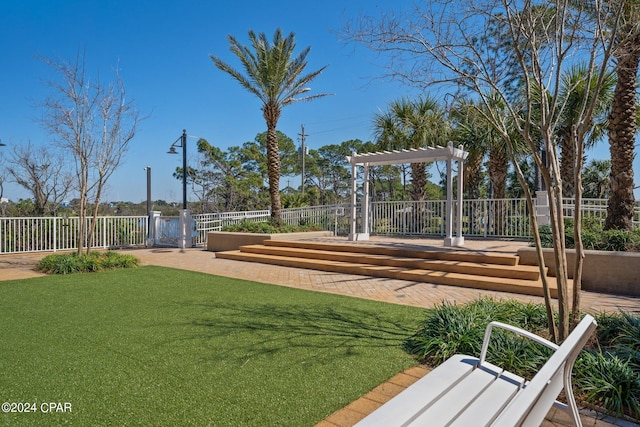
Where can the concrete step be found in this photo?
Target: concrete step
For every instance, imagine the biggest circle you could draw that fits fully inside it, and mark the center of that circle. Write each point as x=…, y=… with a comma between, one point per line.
x=527, y=287
x=464, y=267
x=406, y=252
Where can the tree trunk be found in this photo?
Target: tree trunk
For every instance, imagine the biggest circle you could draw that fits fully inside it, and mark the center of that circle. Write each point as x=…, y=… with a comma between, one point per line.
x=271, y=114
x=498, y=166
x=622, y=131
x=418, y=181
x=567, y=166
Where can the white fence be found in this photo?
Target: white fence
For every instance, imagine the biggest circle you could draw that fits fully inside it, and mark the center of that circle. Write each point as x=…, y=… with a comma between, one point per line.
x=45, y=234
x=499, y=218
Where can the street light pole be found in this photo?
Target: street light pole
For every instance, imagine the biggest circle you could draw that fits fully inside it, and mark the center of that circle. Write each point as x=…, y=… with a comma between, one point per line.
x=184, y=169
x=172, y=150
x=185, y=221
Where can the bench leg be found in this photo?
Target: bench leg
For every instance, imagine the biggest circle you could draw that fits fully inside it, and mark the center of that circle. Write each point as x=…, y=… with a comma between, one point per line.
x=572, y=407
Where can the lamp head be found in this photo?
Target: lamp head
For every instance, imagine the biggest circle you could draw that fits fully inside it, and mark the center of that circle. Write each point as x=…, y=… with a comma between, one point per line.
x=172, y=150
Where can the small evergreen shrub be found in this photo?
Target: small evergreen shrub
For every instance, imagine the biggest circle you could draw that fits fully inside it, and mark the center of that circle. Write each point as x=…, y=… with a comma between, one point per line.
x=594, y=237
x=85, y=263
x=609, y=381
x=246, y=226
x=606, y=375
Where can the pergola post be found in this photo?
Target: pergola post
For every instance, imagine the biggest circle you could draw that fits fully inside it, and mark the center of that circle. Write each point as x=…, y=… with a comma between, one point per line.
x=448, y=240
x=459, y=240
x=353, y=213
x=364, y=235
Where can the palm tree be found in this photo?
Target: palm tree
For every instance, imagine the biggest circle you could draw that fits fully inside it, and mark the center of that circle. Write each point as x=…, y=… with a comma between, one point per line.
x=412, y=124
x=482, y=140
x=595, y=179
x=622, y=121
x=275, y=77
x=573, y=88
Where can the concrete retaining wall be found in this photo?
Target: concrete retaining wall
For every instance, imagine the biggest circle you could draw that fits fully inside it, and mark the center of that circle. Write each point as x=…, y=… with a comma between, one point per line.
x=602, y=271
x=230, y=241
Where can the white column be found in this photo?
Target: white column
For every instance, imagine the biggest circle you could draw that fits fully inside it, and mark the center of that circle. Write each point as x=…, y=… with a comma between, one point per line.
x=459, y=240
x=153, y=228
x=449, y=220
x=364, y=235
x=542, y=208
x=185, y=229
x=352, y=213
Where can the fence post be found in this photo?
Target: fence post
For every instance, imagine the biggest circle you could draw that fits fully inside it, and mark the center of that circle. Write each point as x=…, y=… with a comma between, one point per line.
x=542, y=208
x=185, y=229
x=55, y=234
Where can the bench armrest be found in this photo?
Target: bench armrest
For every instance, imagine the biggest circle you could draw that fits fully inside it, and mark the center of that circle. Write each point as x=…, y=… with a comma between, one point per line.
x=518, y=331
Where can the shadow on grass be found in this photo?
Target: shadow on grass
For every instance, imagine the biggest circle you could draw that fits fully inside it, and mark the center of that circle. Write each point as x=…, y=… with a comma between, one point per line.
x=324, y=330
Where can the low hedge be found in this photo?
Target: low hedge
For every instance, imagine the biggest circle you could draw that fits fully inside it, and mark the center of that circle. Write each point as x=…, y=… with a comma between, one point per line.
x=246, y=226
x=85, y=263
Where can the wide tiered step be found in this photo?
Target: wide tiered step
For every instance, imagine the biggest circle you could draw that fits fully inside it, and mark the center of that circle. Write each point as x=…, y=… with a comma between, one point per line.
x=481, y=270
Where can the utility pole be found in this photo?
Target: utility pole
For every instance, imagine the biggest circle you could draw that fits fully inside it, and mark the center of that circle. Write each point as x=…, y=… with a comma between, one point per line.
x=303, y=152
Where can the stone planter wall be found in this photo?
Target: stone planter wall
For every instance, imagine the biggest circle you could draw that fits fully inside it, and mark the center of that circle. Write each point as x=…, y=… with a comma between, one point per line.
x=231, y=241
x=602, y=271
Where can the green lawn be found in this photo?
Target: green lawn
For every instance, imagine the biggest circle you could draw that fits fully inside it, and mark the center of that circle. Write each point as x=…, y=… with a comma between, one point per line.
x=157, y=346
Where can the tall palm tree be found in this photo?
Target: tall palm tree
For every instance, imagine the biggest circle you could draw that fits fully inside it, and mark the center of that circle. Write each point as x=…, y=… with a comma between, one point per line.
x=275, y=76
x=595, y=179
x=573, y=88
x=622, y=122
x=623, y=118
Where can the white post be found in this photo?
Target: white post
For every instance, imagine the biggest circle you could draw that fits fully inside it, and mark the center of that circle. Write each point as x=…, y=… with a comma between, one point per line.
x=185, y=229
x=55, y=234
x=449, y=220
x=542, y=208
x=354, y=188
x=365, y=205
x=459, y=240
x=153, y=227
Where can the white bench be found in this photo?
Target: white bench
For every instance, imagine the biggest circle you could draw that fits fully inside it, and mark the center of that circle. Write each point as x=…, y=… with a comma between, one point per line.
x=469, y=391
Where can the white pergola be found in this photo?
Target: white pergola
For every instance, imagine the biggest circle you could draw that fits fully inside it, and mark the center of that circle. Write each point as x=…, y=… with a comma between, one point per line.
x=416, y=155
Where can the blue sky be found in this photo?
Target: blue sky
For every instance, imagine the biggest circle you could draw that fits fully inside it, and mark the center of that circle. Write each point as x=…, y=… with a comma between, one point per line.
x=162, y=51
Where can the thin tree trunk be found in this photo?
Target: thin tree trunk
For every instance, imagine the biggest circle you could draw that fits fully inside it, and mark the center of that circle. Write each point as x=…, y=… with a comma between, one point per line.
x=567, y=166
x=559, y=247
x=553, y=330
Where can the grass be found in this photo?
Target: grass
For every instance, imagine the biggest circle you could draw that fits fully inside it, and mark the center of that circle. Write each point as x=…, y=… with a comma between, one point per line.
x=157, y=346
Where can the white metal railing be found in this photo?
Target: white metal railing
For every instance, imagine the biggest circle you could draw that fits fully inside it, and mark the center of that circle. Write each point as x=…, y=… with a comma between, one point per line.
x=596, y=210
x=45, y=234
x=500, y=218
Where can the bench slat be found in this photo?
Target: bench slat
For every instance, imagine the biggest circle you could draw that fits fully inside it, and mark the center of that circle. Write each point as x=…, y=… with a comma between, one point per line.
x=403, y=407
x=494, y=399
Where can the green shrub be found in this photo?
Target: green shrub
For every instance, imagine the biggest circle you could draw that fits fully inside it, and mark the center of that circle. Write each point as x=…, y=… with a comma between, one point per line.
x=590, y=240
x=606, y=376
x=609, y=328
x=593, y=237
x=246, y=226
x=627, y=343
x=608, y=381
x=85, y=263
x=451, y=329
